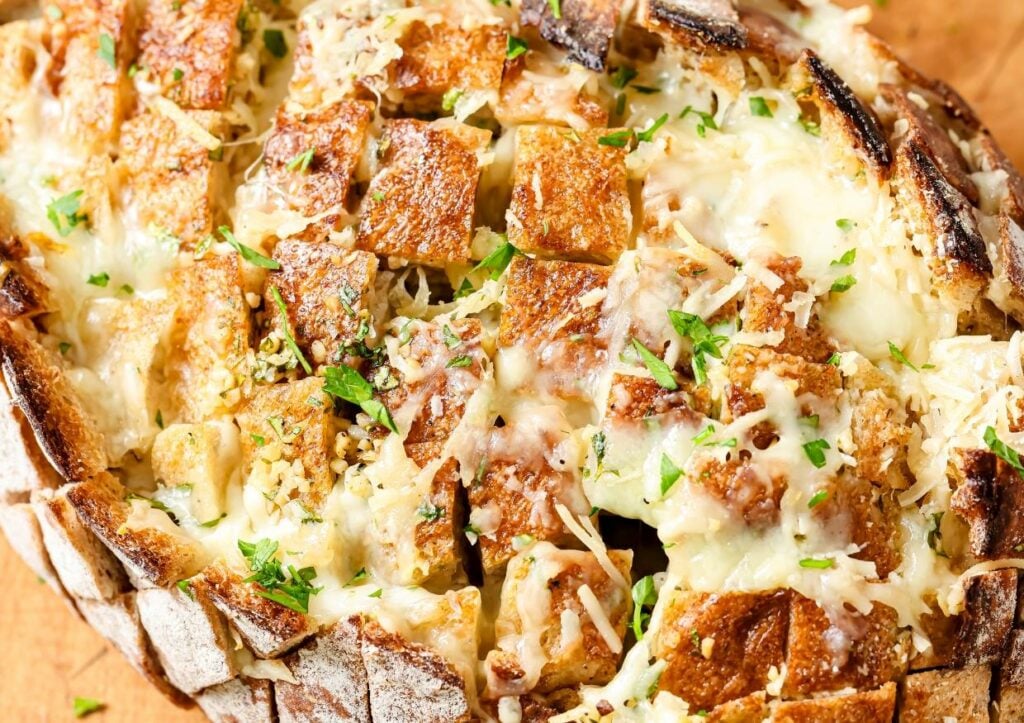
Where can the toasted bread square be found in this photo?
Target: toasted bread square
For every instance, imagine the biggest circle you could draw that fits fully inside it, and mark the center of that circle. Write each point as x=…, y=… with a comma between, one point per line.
x=875, y=706
x=450, y=362
x=20, y=526
x=86, y=569
x=533, y=91
x=65, y=433
x=267, y=628
x=409, y=681
x=439, y=534
x=330, y=678
x=988, y=493
x=203, y=456
x=441, y=58
x=210, y=339
x=94, y=91
x=328, y=292
x=635, y=401
x=173, y=182
x=584, y=28
x=871, y=518
x=875, y=654
x=242, y=700
x=749, y=634
x=552, y=314
x=941, y=630
x=289, y=423
x=25, y=468
x=748, y=709
x=155, y=555
x=572, y=655
x=747, y=491
x=514, y=495
x=189, y=637
x=569, y=195
x=990, y=608
x=880, y=432
x=943, y=218
x=844, y=118
x=763, y=311
x=22, y=292
x=335, y=135
x=420, y=204
x=938, y=695
x=700, y=24
x=189, y=49
x=117, y=620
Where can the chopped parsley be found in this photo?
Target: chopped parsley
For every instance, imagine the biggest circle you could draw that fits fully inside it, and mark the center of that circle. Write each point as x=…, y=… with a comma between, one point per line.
x=178, y=74
x=292, y=591
x=706, y=120
x=463, y=360
x=107, y=51
x=846, y=259
x=622, y=75
x=935, y=534
x=810, y=126
x=496, y=262
x=377, y=593
x=451, y=339
x=897, y=354
x=705, y=343
x=845, y=225
x=126, y=289
x=648, y=134
x=843, y=284
x=515, y=47
x=1003, y=450
x=185, y=586
x=64, y=347
x=251, y=255
x=301, y=162
x=273, y=41
x=815, y=451
x=286, y=329
x=811, y=420
x=618, y=139
x=159, y=419
x=346, y=383
x=835, y=360
x=63, y=212
x=84, y=706
x=101, y=279
x=348, y=295
x=214, y=522
x=429, y=511
x=600, y=444
x=450, y=98
x=759, y=107
x=659, y=370
x=813, y=563
x=817, y=498
x=669, y=474
x=644, y=595
x=556, y=8
x=377, y=196
x=360, y=577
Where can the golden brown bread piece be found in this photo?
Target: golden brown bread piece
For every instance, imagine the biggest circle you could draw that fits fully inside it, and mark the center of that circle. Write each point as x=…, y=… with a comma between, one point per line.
x=933, y=695
x=701, y=24
x=584, y=28
x=876, y=706
x=241, y=700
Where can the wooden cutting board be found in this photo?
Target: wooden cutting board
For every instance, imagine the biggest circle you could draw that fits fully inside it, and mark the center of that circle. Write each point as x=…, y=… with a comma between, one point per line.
x=48, y=656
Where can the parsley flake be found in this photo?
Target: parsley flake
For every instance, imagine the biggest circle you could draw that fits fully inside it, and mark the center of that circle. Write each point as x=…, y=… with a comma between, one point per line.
x=845, y=225
x=669, y=474
x=63, y=212
x=273, y=41
x=1003, y=450
x=84, y=706
x=301, y=162
x=515, y=47
x=618, y=139
x=622, y=75
x=843, y=284
x=107, y=51
x=101, y=279
x=346, y=383
x=813, y=563
x=556, y=8
x=248, y=253
x=705, y=343
x=846, y=259
x=286, y=329
x=644, y=595
x=450, y=98
x=897, y=354
x=463, y=360
x=292, y=591
x=815, y=451
x=659, y=370
x=759, y=107
x=817, y=498
x=647, y=135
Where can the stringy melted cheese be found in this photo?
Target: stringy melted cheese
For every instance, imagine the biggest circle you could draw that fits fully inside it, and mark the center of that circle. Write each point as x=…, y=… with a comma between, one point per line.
x=748, y=188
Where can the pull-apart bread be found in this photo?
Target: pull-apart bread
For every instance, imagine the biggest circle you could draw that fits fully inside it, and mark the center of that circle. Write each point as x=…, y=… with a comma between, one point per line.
x=529, y=360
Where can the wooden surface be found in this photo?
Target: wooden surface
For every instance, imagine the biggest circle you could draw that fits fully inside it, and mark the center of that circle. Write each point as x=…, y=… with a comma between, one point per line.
x=48, y=656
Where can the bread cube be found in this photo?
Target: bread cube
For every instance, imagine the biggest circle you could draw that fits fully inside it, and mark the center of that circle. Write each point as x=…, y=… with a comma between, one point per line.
x=241, y=700
x=550, y=582
x=533, y=90
x=287, y=439
x=334, y=137
x=444, y=58
x=173, y=183
x=327, y=291
x=20, y=526
x=420, y=205
x=210, y=339
x=25, y=468
x=189, y=50
x=988, y=493
x=202, y=456
x=451, y=362
x=569, y=195
x=876, y=652
x=875, y=706
x=22, y=291
x=552, y=315
x=748, y=638
x=936, y=695
x=713, y=25
x=989, y=615
x=584, y=28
